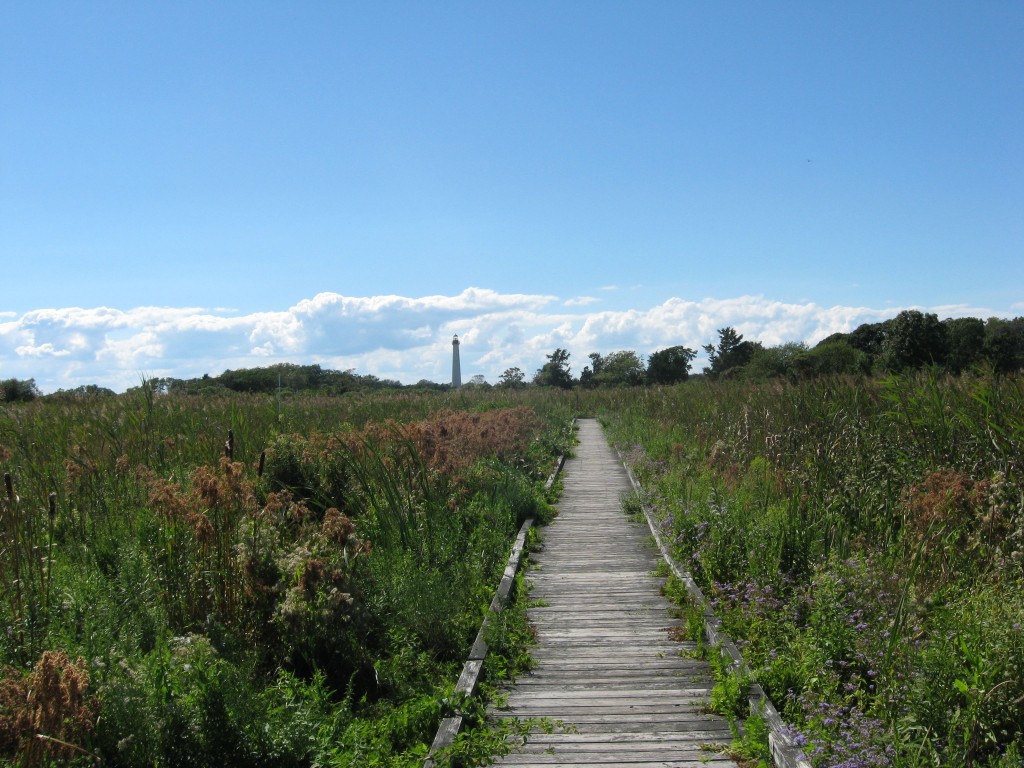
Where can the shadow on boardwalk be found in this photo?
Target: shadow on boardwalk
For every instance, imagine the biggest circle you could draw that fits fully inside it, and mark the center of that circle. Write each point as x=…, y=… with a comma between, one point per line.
x=606, y=664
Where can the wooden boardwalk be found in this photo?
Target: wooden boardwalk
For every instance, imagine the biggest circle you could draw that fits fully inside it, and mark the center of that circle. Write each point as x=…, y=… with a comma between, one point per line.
x=606, y=663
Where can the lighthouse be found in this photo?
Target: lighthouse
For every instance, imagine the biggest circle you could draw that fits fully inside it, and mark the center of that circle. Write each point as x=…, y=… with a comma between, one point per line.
x=456, y=368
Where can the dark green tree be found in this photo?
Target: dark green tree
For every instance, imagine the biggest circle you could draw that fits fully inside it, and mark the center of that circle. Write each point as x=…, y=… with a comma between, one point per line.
x=669, y=366
x=834, y=357
x=966, y=343
x=555, y=372
x=773, y=362
x=431, y=385
x=588, y=376
x=1004, y=343
x=83, y=392
x=868, y=338
x=18, y=390
x=913, y=340
x=731, y=354
x=623, y=368
x=512, y=378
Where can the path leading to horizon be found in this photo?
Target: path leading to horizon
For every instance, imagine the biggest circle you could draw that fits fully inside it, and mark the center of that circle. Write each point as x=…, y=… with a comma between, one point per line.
x=606, y=663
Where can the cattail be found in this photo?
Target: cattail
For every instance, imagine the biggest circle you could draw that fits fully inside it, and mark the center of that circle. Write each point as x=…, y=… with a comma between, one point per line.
x=53, y=505
x=9, y=485
x=263, y=461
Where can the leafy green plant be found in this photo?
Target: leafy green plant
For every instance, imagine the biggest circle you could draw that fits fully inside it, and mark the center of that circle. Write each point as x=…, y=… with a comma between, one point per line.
x=832, y=523
x=751, y=745
x=293, y=608
x=729, y=693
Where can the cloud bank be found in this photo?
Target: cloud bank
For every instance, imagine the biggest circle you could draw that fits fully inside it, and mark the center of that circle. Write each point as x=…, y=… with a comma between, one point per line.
x=393, y=337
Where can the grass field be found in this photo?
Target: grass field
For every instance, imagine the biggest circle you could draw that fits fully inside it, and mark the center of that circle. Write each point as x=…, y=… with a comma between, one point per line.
x=241, y=580
x=864, y=541
x=238, y=581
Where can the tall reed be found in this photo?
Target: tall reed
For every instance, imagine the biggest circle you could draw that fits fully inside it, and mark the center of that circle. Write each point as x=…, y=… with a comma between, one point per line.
x=840, y=526
x=334, y=558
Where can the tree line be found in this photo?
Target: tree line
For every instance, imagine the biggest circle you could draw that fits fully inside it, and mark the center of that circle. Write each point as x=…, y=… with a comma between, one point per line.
x=910, y=341
x=282, y=378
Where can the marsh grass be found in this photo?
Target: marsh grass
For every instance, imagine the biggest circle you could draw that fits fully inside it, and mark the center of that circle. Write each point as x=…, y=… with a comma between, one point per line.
x=246, y=581
x=853, y=536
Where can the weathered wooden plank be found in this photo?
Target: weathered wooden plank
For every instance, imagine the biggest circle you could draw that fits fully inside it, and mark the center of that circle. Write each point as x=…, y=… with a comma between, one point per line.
x=614, y=689
x=694, y=754
x=624, y=740
x=694, y=763
x=559, y=597
x=607, y=635
x=606, y=674
x=612, y=713
x=637, y=751
x=592, y=648
x=563, y=660
x=614, y=682
x=612, y=716
x=446, y=733
x=681, y=747
x=599, y=707
x=602, y=694
x=605, y=618
x=557, y=662
x=470, y=674
x=635, y=726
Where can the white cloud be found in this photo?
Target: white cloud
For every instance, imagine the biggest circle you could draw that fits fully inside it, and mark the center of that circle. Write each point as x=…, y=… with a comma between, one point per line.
x=43, y=350
x=581, y=301
x=131, y=352
x=393, y=337
x=964, y=310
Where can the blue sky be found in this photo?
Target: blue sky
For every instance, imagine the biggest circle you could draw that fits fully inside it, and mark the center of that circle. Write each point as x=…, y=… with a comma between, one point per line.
x=187, y=187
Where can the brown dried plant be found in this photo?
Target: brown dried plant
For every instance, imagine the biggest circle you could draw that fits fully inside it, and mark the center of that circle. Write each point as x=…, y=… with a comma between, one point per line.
x=945, y=514
x=451, y=441
x=48, y=713
x=947, y=498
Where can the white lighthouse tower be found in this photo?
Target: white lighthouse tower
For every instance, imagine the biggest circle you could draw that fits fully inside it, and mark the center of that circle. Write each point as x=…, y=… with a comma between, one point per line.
x=456, y=368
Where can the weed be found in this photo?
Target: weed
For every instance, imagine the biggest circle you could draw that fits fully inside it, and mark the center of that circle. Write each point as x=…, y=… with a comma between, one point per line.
x=298, y=594
x=841, y=529
x=48, y=713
